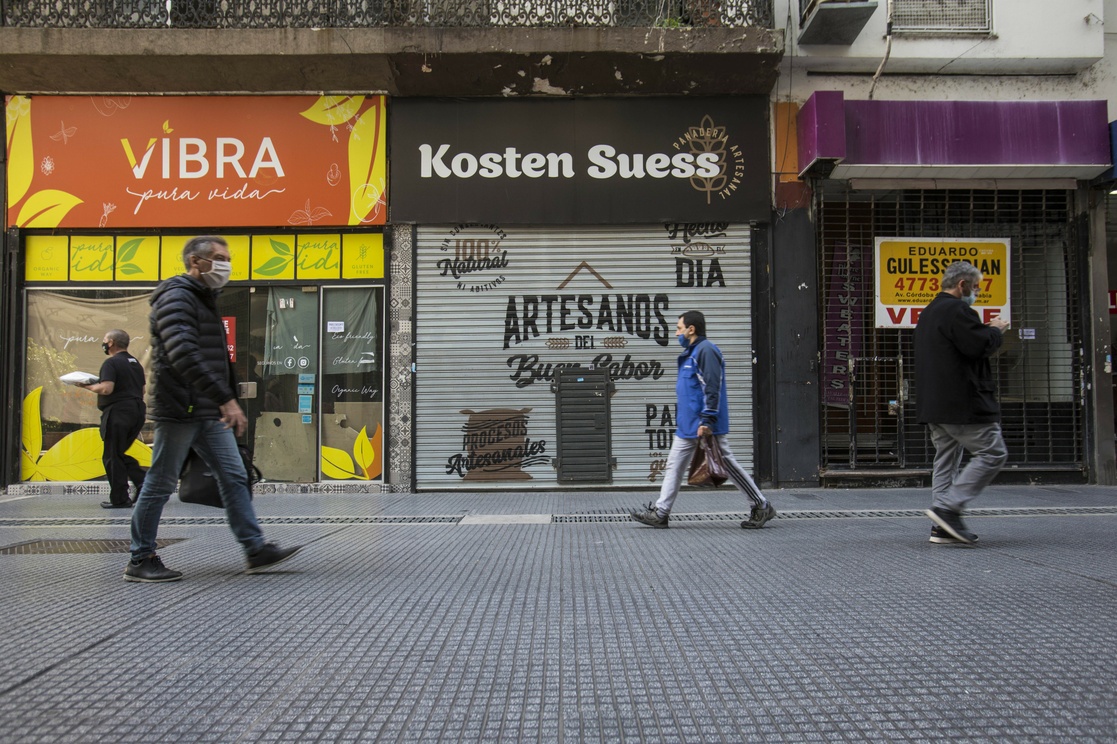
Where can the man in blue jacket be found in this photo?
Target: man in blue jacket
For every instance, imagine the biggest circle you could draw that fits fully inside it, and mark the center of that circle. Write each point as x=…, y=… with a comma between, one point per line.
x=702, y=408
x=955, y=397
x=195, y=407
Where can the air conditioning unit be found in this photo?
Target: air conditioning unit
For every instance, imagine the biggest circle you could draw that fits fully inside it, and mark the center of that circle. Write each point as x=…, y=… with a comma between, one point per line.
x=834, y=21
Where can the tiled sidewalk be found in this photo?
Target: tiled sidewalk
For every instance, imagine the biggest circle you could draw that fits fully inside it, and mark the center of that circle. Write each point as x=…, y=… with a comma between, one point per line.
x=837, y=622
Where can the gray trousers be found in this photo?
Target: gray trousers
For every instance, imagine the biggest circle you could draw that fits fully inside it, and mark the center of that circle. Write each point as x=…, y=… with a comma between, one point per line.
x=678, y=465
x=952, y=487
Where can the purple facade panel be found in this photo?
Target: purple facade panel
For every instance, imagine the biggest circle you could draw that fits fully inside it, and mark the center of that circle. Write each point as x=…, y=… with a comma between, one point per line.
x=870, y=130
x=1087, y=140
x=940, y=133
x=821, y=129
x=1028, y=132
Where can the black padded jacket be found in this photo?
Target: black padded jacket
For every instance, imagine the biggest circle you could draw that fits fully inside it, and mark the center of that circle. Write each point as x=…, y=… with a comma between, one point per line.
x=192, y=376
x=953, y=377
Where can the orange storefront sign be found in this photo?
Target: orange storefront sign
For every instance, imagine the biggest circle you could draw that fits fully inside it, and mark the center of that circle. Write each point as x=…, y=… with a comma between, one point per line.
x=193, y=161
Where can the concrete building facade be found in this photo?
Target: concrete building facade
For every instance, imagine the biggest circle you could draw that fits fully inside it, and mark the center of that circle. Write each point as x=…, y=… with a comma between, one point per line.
x=892, y=126
x=342, y=68
x=905, y=126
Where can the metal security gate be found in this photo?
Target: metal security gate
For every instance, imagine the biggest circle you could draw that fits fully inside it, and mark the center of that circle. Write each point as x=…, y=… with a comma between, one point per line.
x=502, y=312
x=867, y=376
x=876, y=387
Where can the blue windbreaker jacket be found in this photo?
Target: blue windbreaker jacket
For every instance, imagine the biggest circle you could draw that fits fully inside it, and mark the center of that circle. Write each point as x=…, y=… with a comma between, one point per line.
x=700, y=390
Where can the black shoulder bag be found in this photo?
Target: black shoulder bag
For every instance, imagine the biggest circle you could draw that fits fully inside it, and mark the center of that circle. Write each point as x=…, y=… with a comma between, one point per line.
x=197, y=485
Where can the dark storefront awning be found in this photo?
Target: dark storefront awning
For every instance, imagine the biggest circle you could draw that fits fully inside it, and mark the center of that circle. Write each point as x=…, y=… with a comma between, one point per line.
x=952, y=139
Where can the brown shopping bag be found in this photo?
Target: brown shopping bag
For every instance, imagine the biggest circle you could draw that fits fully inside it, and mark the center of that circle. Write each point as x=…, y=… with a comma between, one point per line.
x=707, y=467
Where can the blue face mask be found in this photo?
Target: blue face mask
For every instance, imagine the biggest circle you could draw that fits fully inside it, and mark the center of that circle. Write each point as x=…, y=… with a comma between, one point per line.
x=683, y=341
x=969, y=299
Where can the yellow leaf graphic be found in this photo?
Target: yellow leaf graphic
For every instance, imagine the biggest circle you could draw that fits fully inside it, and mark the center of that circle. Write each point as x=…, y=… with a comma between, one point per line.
x=76, y=457
x=363, y=452
x=28, y=470
x=337, y=464
x=32, y=435
x=366, y=163
x=141, y=452
x=333, y=110
x=46, y=208
x=21, y=154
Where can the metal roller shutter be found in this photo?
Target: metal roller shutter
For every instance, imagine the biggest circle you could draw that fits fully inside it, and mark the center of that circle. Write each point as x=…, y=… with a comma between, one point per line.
x=490, y=339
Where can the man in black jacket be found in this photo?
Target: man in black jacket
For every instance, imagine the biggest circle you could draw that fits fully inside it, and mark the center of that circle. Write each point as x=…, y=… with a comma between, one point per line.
x=120, y=396
x=956, y=397
x=195, y=407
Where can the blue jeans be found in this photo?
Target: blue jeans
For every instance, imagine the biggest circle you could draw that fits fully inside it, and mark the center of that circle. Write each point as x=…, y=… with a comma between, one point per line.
x=218, y=447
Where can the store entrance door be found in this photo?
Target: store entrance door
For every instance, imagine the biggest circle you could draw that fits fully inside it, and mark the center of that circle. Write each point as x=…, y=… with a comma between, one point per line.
x=276, y=354
x=312, y=360
x=352, y=383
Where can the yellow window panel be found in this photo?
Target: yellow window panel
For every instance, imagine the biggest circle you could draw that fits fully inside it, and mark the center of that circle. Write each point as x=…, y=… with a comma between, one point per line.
x=91, y=258
x=240, y=249
x=170, y=256
x=362, y=256
x=46, y=258
x=319, y=256
x=137, y=258
x=273, y=256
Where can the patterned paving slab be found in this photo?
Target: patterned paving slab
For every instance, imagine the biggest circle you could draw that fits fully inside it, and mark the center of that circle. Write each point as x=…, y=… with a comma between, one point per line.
x=812, y=629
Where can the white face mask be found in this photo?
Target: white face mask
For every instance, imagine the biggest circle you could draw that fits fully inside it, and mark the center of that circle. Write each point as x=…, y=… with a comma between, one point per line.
x=970, y=298
x=218, y=275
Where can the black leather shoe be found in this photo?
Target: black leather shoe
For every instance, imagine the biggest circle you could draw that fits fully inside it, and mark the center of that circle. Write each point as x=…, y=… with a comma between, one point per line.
x=951, y=523
x=939, y=536
x=150, y=570
x=268, y=556
x=111, y=505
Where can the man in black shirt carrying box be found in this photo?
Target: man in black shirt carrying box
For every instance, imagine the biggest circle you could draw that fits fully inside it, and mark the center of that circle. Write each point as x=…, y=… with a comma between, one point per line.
x=120, y=396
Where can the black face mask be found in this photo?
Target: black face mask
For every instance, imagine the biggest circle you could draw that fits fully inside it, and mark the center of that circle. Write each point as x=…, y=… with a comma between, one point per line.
x=105, y=348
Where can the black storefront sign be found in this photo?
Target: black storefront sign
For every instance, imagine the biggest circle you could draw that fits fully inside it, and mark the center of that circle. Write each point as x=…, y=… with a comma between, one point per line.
x=584, y=161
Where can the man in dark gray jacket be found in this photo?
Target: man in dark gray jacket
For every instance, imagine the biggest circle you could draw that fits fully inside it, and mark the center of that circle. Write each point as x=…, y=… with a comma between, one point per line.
x=195, y=406
x=956, y=397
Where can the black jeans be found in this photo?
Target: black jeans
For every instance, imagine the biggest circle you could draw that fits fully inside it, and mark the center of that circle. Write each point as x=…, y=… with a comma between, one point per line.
x=120, y=425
